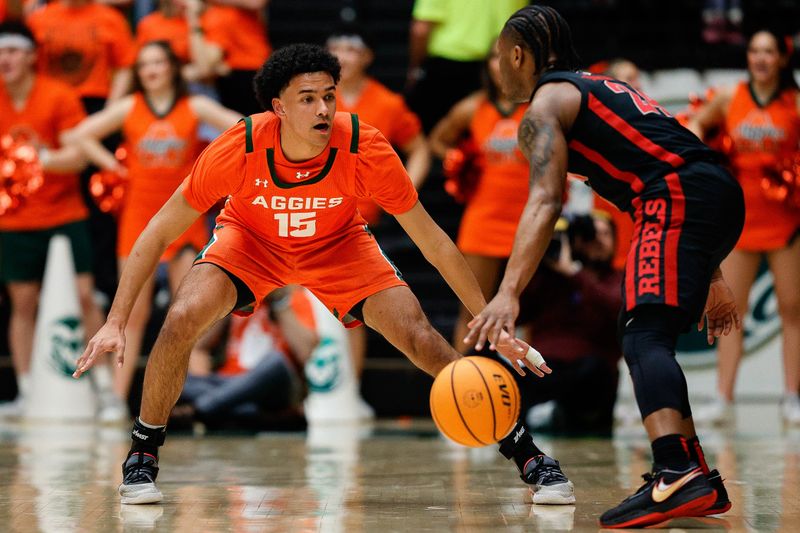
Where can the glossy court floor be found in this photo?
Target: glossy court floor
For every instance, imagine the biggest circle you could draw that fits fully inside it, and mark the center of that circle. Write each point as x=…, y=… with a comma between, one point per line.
x=390, y=477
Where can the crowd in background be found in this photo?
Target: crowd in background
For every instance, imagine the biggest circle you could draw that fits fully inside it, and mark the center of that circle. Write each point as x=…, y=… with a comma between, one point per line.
x=102, y=99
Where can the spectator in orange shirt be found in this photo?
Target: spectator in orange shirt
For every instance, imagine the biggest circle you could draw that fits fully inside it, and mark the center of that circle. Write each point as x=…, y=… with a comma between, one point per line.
x=238, y=30
x=97, y=67
x=159, y=125
x=492, y=212
x=182, y=23
x=40, y=108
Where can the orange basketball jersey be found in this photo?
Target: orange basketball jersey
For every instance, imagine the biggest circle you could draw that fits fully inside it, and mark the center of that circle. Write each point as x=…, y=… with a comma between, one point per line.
x=298, y=206
x=762, y=136
x=490, y=220
x=161, y=151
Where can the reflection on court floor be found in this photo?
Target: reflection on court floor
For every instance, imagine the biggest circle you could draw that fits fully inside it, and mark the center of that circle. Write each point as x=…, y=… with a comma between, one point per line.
x=389, y=477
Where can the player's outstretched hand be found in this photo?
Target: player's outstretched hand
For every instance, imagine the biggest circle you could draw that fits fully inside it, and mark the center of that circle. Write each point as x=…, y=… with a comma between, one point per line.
x=108, y=339
x=499, y=315
x=720, y=313
x=522, y=355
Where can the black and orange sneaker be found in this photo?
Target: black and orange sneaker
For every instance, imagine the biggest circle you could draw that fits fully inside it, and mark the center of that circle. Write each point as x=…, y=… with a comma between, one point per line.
x=665, y=494
x=722, y=504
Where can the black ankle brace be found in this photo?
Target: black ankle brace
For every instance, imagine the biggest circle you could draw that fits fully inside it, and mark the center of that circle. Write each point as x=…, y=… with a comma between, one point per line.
x=519, y=446
x=147, y=439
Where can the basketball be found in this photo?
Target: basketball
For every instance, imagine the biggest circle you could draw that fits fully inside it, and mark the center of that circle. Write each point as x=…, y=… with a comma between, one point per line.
x=475, y=401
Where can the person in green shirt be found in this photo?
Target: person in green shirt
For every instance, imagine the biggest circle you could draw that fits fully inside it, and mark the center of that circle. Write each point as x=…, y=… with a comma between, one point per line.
x=449, y=40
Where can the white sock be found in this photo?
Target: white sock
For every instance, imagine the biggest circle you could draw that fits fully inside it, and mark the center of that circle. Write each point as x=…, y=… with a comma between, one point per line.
x=151, y=426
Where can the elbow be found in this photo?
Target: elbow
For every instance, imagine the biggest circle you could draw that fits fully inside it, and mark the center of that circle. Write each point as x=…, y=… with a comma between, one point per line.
x=420, y=30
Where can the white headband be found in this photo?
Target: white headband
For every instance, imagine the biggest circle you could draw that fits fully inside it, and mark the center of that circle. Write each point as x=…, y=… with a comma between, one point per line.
x=353, y=40
x=15, y=40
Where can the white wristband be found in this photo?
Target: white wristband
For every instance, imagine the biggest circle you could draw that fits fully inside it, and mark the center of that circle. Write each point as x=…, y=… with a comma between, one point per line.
x=534, y=357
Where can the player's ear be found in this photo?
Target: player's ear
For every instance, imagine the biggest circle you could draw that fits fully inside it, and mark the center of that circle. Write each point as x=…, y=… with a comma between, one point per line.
x=277, y=107
x=519, y=55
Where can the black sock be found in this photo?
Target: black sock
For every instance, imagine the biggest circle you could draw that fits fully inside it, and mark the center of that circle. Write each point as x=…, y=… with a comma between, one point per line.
x=696, y=454
x=519, y=446
x=146, y=439
x=671, y=451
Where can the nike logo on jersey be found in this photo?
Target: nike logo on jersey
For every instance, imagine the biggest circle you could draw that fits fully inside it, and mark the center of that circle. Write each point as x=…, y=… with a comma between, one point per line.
x=662, y=491
x=301, y=175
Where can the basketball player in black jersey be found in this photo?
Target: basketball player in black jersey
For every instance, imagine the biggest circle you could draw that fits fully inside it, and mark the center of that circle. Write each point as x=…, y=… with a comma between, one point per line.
x=688, y=213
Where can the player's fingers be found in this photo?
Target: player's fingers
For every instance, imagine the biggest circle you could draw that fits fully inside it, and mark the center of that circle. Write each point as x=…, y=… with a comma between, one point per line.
x=495, y=332
x=533, y=368
x=474, y=326
x=517, y=365
x=728, y=325
x=546, y=369
x=85, y=361
x=483, y=333
x=700, y=323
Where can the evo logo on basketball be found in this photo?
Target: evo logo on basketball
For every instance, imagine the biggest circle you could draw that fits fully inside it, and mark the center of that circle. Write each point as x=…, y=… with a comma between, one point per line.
x=505, y=396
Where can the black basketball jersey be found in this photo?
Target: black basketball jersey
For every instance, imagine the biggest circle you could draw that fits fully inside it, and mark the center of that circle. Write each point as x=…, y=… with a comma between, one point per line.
x=622, y=141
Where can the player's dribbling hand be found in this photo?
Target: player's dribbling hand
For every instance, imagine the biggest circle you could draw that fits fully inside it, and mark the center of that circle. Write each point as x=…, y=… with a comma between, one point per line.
x=108, y=339
x=498, y=316
x=720, y=313
x=521, y=355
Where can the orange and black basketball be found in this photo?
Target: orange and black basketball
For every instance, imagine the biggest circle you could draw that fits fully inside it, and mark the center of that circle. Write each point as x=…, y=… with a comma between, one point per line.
x=475, y=401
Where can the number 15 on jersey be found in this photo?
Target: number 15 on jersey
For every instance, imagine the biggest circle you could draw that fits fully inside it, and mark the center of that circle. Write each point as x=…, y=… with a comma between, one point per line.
x=296, y=224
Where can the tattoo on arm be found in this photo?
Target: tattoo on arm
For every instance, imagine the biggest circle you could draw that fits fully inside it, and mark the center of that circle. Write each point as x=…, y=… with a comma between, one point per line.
x=536, y=142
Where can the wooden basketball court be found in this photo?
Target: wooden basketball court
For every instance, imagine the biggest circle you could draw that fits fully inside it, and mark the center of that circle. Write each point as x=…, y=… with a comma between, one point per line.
x=390, y=477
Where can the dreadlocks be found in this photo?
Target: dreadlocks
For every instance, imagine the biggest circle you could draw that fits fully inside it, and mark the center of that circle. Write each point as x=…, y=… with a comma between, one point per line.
x=545, y=33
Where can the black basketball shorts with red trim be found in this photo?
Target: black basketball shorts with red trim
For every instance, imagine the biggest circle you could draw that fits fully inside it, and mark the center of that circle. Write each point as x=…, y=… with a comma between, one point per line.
x=685, y=225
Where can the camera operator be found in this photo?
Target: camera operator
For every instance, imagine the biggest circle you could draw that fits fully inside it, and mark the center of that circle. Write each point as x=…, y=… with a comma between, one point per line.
x=570, y=313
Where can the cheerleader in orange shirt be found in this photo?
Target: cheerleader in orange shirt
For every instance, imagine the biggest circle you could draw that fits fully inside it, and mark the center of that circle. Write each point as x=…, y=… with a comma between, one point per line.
x=159, y=124
x=490, y=220
x=762, y=120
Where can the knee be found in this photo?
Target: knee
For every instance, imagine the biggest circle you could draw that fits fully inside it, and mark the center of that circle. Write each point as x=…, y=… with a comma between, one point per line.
x=182, y=322
x=789, y=309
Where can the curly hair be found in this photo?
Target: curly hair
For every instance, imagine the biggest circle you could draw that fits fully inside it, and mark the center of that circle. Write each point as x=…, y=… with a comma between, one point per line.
x=288, y=62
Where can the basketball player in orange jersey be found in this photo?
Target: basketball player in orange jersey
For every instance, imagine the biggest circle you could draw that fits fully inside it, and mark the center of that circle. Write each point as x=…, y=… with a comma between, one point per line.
x=492, y=212
x=688, y=213
x=379, y=107
x=159, y=124
x=292, y=176
x=40, y=108
x=761, y=116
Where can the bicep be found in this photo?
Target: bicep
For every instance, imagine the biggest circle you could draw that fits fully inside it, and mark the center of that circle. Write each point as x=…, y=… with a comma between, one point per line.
x=104, y=122
x=542, y=140
x=448, y=131
x=174, y=217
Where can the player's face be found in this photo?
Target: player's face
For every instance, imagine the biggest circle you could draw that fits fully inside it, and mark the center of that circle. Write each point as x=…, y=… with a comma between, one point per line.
x=307, y=106
x=494, y=65
x=15, y=63
x=353, y=57
x=764, y=60
x=516, y=74
x=153, y=68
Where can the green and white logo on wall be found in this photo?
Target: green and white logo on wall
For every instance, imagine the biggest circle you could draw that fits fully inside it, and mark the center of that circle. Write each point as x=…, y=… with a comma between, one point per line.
x=761, y=324
x=322, y=370
x=66, y=344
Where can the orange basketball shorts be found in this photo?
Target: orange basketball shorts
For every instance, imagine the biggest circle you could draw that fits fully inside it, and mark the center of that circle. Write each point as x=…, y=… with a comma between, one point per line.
x=341, y=272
